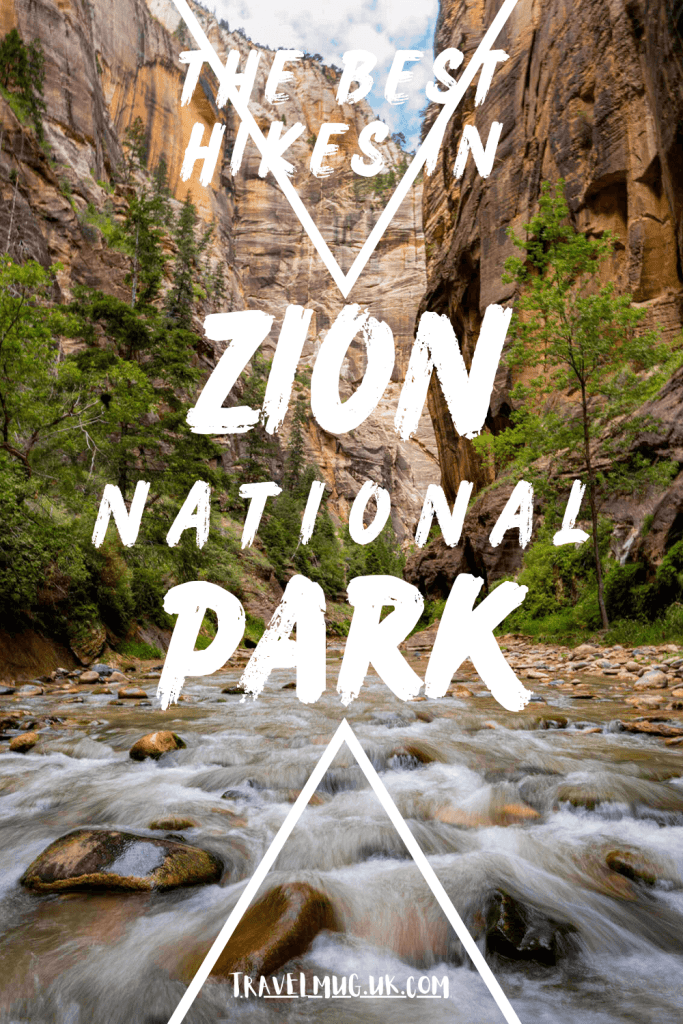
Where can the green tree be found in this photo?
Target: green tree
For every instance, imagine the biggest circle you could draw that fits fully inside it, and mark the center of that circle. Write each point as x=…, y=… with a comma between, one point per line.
x=45, y=400
x=148, y=377
x=589, y=364
x=22, y=72
x=142, y=233
x=134, y=148
x=295, y=461
x=180, y=299
x=260, y=449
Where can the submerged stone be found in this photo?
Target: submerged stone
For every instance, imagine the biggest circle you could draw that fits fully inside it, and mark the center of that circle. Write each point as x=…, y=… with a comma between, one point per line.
x=172, y=824
x=517, y=932
x=132, y=693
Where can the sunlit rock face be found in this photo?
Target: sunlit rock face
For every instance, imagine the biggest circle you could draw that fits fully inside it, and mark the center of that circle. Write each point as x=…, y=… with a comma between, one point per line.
x=108, y=63
x=592, y=93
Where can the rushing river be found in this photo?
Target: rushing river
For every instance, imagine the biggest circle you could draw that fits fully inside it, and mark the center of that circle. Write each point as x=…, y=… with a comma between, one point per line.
x=500, y=804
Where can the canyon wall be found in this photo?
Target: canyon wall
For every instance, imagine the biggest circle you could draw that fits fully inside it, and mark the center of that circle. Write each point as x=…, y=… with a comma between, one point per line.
x=592, y=93
x=108, y=63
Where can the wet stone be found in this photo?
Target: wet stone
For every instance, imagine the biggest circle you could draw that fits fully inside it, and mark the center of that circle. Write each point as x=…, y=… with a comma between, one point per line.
x=89, y=677
x=652, y=681
x=277, y=928
x=172, y=824
x=92, y=859
x=517, y=932
x=154, y=744
x=636, y=866
x=654, y=728
x=24, y=742
x=132, y=693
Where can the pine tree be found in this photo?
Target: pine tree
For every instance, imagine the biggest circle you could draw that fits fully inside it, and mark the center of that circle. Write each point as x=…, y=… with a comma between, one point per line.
x=295, y=466
x=149, y=211
x=260, y=447
x=180, y=299
x=134, y=149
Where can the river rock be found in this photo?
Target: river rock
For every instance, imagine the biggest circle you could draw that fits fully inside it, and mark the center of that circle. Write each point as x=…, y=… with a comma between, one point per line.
x=639, y=867
x=652, y=681
x=281, y=925
x=31, y=691
x=415, y=753
x=172, y=824
x=132, y=693
x=154, y=744
x=7, y=691
x=645, y=700
x=678, y=692
x=102, y=670
x=91, y=859
x=654, y=728
x=522, y=933
x=117, y=677
x=89, y=677
x=582, y=650
x=24, y=742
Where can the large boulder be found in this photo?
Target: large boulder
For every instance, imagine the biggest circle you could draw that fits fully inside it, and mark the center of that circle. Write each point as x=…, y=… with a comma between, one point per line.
x=91, y=859
x=281, y=925
x=433, y=569
x=154, y=744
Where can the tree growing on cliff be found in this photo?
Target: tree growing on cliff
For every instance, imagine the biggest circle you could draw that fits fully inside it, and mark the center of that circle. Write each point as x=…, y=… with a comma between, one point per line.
x=180, y=299
x=22, y=73
x=586, y=362
x=45, y=400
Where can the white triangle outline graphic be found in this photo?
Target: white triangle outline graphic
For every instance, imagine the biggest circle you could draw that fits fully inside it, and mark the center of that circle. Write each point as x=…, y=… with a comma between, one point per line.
x=426, y=154
x=344, y=734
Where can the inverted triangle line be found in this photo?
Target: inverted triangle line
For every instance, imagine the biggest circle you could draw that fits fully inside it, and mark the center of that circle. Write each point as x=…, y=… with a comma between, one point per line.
x=428, y=148
x=344, y=734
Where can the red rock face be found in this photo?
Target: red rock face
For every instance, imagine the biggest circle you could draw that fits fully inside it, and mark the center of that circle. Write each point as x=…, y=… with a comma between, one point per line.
x=108, y=63
x=593, y=93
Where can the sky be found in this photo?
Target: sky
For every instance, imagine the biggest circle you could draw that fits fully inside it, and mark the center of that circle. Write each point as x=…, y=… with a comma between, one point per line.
x=330, y=27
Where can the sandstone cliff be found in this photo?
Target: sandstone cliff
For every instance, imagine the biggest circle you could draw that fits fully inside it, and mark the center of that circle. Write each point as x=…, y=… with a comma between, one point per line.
x=108, y=63
x=593, y=93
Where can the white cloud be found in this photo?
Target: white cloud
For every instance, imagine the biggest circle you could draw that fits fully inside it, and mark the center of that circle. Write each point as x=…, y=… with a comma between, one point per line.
x=331, y=28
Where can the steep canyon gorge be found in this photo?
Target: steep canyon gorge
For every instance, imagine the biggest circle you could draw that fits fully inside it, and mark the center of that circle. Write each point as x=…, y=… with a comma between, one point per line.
x=593, y=98
x=97, y=83
x=592, y=93
x=555, y=831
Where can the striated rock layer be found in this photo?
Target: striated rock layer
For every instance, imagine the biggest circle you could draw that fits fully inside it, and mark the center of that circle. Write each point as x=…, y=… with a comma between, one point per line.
x=108, y=63
x=593, y=93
